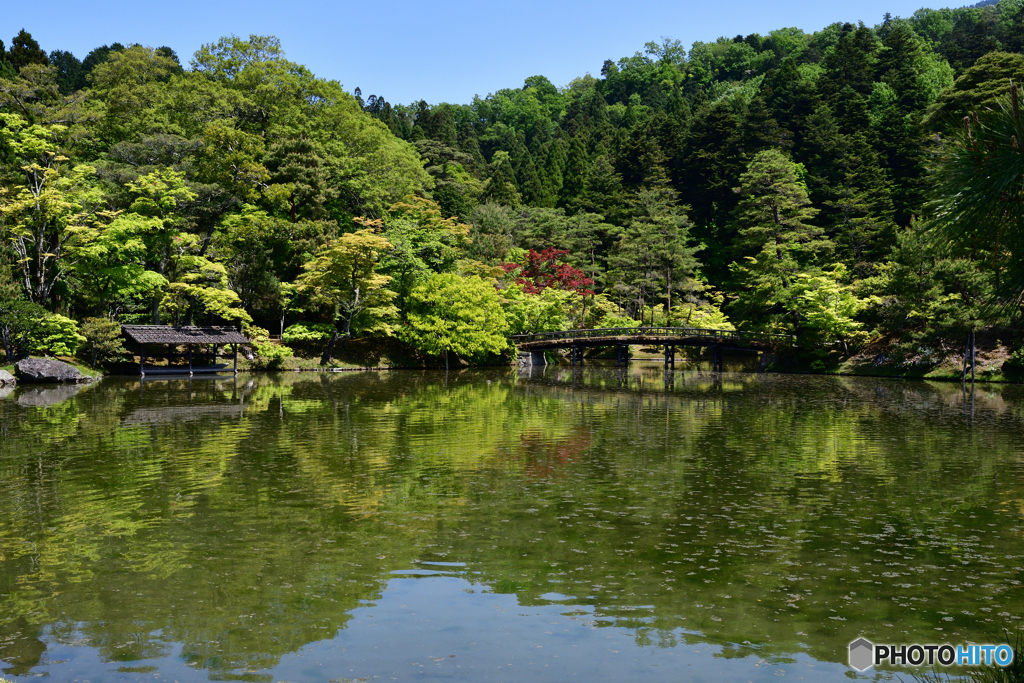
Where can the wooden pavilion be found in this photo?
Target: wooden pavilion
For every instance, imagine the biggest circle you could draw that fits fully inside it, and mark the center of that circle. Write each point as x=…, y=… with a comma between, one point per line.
x=148, y=340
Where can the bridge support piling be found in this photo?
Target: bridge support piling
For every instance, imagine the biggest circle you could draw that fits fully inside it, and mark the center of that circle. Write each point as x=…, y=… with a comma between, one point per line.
x=576, y=355
x=717, y=362
x=623, y=354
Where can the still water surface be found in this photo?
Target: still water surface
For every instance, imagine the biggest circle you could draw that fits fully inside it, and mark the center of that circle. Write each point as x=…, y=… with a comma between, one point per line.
x=495, y=525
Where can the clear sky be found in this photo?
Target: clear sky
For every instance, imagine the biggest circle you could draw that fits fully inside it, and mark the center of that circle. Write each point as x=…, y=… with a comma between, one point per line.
x=439, y=50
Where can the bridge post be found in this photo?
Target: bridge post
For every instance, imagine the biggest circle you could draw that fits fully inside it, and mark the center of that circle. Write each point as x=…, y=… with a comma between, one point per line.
x=622, y=354
x=717, y=359
x=575, y=355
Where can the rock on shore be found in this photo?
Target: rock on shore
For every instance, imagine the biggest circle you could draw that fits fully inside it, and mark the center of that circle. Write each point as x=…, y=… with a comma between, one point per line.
x=45, y=371
x=6, y=378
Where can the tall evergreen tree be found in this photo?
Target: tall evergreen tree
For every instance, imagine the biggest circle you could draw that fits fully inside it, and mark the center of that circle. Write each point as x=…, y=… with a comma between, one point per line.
x=69, y=74
x=653, y=258
x=848, y=180
x=574, y=177
x=25, y=50
x=552, y=173
x=602, y=191
x=529, y=183
x=501, y=187
x=789, y=97
x=896, y=118
x=713, y=162
x=776, y=238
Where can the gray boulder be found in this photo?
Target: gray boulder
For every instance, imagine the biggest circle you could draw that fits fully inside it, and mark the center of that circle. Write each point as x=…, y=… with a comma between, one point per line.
x=44, y=371
x=6, y=378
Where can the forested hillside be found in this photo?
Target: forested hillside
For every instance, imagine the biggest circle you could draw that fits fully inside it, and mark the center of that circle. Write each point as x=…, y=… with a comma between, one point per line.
x=826, y=185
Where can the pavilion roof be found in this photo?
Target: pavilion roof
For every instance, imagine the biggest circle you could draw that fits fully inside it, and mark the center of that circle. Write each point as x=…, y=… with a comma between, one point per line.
x=165, y=334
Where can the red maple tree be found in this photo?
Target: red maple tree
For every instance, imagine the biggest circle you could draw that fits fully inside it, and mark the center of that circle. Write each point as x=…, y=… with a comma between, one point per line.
x=542, y=269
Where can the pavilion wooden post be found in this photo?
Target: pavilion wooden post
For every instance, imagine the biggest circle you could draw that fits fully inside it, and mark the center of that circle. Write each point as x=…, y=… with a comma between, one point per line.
x=142, y=360
x=234, y=351
x=189, y=360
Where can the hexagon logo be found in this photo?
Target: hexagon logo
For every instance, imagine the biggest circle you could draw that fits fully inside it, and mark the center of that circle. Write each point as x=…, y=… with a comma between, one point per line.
x=862, y=654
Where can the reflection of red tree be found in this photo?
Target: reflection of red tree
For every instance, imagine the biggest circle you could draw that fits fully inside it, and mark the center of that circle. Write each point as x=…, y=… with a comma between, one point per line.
x=541, y=269
x=544, y=458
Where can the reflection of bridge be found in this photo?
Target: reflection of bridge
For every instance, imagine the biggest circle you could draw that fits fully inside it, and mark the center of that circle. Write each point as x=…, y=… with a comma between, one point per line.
x=623, y=337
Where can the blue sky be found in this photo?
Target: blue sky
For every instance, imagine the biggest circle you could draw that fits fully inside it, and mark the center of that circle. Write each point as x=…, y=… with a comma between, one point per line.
x=433, y=50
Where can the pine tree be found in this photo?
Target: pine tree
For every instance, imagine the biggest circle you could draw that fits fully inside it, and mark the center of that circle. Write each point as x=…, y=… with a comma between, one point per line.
x=850, y=64
x=25, y=50
x=900, y=137
x=849, y=182
x=761, y=130
x=441, y=125
x=713, y=162
x=636, y=155
x=299, y=163
x=529, y=183
x=554, y=154
x=789, y=97
x=69, y=76
x=469, y=143
x=574, y=177
x=653, y=257
x=501, y=187
x=602, y=191
x=775, y=234
x=900, y=65
x=590, y=240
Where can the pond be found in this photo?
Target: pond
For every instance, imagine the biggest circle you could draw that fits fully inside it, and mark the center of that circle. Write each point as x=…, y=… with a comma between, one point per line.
x=496, y=524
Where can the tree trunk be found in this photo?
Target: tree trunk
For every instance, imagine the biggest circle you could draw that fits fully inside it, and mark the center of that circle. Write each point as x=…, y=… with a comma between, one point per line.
x=446, y=360
x=329, y=349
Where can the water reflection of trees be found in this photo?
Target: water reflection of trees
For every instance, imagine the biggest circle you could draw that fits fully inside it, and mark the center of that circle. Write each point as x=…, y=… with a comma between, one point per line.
x=784, y=511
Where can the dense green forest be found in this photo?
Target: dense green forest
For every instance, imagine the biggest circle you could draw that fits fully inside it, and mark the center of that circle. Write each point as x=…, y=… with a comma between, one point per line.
x=858, y=187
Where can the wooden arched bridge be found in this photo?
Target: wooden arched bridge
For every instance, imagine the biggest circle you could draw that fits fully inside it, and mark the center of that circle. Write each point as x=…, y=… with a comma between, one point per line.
x=623, y=337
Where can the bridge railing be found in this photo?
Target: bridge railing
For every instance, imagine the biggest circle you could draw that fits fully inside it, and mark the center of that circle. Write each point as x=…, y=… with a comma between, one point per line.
x=600, y=332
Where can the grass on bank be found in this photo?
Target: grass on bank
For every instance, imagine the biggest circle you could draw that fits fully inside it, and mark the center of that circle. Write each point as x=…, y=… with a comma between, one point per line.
x=1014, y=673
